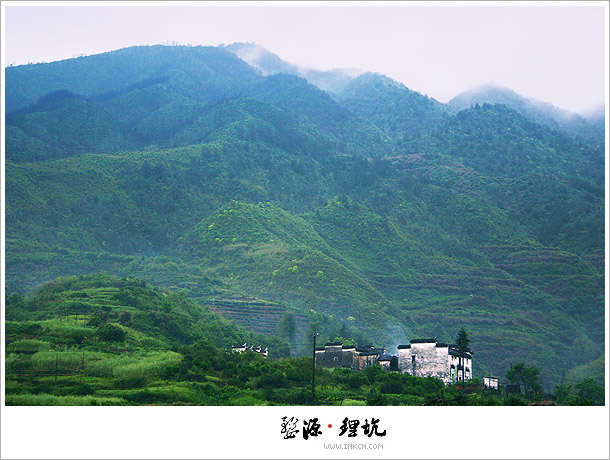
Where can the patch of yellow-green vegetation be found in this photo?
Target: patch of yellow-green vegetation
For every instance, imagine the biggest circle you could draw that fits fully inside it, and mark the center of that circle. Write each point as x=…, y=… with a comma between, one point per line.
x=352, y=402
x=60, y=328
x=142, y=365
x=47, y=360
x=52, y=400
x=27, y=346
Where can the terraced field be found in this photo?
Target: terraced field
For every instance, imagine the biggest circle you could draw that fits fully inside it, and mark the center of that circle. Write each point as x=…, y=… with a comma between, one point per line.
x=254, y=314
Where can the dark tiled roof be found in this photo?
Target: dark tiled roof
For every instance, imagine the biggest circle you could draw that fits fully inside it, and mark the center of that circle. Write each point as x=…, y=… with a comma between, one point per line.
x=386, y=357
x=402, y=347
x=333, y=344
x=365, y=348
x=423, y=341
x=368, y=351
x=348, y=347
x=454, y=352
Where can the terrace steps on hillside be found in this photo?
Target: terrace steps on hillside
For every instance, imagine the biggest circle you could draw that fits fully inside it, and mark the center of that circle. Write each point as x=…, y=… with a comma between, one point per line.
x=253, y=313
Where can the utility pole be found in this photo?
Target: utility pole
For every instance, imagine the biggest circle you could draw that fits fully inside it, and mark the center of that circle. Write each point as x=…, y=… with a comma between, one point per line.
x=313, y=371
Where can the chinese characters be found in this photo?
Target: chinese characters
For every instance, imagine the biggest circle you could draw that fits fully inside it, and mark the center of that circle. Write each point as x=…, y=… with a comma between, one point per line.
x=312, y=428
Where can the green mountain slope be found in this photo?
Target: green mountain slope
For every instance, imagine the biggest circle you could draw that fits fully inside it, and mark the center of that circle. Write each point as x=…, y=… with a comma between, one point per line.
x=188, y=100
x=69, y=125
x=347, y=133
x=343, y=259
x=385, y=218
x=552, y=185
x=538, y=111
x=205, y=73
x=269, y=63
x=21, y=147
x=404, y=114
x=166, y=316
x=271, y=253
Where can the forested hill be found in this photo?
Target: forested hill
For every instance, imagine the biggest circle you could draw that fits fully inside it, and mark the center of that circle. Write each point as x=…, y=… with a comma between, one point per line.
x=538, y=111
x=373, y=213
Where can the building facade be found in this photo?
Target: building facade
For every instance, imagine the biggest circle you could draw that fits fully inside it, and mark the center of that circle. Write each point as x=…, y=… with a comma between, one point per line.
x=335, y=354
x=420, y=358
x=429, y=358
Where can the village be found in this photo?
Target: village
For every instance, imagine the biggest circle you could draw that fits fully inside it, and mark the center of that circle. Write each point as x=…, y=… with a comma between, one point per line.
x=419, y=358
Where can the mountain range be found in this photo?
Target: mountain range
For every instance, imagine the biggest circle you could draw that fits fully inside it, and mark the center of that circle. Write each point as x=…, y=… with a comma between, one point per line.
x=361, y=208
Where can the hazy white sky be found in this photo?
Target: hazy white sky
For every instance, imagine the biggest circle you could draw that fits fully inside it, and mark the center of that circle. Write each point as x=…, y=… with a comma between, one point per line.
x=553, y=53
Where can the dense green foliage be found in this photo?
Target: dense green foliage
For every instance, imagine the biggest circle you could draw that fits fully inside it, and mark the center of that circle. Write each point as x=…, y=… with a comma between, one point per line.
x=527, y=377
x=374, y=215
x=108, y=75
x=539, y=112
x=112, y=305
x=405, y=115
x=99, y=340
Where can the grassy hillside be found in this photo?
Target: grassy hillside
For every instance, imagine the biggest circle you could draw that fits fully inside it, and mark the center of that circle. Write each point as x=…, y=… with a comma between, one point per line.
x=98, y=300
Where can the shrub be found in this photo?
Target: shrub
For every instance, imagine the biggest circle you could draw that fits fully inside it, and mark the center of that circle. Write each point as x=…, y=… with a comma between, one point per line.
x=134, y=366
x=375, y=398
x=15, y=363
x=130, y=383
x=52, y=400
x=28, y=328
x=111, y=333
x=356, y=380
x=28, y=346
x=515, y=400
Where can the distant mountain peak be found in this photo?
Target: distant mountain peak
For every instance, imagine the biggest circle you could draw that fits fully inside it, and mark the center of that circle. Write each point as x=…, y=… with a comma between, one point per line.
x=536, y=110
x=261, y=58
x=268, y=63
x=596, y=115
x=380, y=79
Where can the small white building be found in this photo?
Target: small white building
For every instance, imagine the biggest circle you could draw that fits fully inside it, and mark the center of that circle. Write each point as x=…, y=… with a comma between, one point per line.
x=491, y=382
x=245, y=347
x=429, y=358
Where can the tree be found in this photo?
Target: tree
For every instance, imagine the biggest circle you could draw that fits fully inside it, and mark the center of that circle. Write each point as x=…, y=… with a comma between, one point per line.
x=111, y=333
x=288, y=327
x=590, y=392
x=564, y=393
x=462, y=343
x=312, y=329
x=125, y=318
x=527, y=377
x=98, y=318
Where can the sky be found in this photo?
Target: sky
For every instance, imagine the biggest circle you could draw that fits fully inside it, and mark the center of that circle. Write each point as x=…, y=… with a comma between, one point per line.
x=552, y=53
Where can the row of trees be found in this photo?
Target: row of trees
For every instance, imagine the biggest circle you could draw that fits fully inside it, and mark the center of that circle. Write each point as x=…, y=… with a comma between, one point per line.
x=528, y=378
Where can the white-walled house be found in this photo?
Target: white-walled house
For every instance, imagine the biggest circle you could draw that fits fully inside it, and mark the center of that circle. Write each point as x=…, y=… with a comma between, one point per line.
x=429, y=358
x=420, y=358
